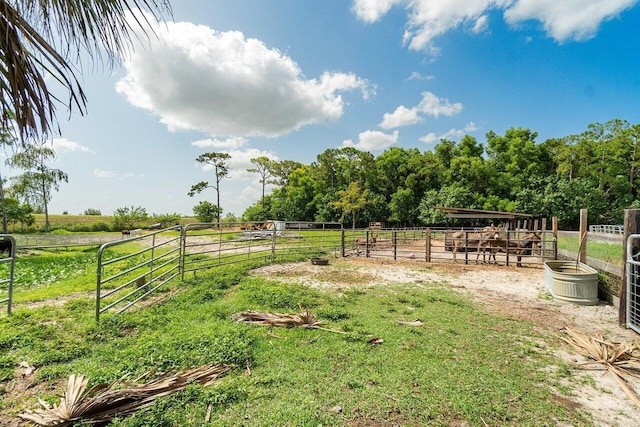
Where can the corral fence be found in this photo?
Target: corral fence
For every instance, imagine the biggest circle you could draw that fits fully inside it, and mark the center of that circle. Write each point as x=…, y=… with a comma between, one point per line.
x=607, y=229
x=211, y=245
x=40, y=241
x=7, y=269
x=129, y=270
x=124, y=278
x=439, y=244
x=633, y=282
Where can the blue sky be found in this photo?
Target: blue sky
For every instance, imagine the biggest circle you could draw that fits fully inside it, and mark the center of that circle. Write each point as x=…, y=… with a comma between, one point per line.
x=290, y=78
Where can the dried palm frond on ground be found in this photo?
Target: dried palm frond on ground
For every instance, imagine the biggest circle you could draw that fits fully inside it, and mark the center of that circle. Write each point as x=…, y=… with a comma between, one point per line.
x=102, y=402
x=619, y=359
x=416, y=323
x=303, y=319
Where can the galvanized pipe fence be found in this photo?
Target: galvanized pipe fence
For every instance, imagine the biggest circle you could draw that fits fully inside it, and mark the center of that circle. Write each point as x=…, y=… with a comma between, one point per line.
x=123, y=278
x=7, y=269
x=633, y=282
x=128, y=270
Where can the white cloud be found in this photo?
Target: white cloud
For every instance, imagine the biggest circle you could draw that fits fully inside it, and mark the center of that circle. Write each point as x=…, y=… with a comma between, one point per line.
x=451, y=134
x=417, y=76
x=429, y=19
x=430, y=105
x=64, y=145
x=568, y=19
x=481, y=25
x=99, y=173
x=103, y=174
x=372, y=140
x=402, y=116
x=233, y=142
x=224, y=84
x=134, y=175
x=372, y=10
x=434, y=106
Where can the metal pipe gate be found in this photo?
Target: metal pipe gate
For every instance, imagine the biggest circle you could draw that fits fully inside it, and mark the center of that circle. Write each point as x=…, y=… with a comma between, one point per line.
x=633, y=283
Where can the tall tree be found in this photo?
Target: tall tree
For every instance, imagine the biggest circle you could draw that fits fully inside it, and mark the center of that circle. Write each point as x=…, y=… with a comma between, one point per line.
x=39, y=179
x=264, y=168
x=352, y=199
x=39, y=39
x=217, y=161
x=282, y=170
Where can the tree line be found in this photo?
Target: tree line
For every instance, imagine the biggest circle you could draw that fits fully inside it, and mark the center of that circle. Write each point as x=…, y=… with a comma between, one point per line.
x=596, y=169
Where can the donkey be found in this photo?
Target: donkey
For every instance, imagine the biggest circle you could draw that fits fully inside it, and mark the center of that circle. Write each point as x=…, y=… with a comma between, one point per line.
x=520, y=247
x=363, y=242
x=473, y=241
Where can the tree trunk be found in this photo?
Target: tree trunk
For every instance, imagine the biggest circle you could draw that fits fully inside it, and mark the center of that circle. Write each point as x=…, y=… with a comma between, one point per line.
x=5, y=229
x=46, y=208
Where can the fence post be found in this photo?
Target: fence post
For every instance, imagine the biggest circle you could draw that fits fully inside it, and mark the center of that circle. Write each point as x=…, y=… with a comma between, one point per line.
x=427, y=245
x=273, y=242
x=366, y=245
x=554, y=231
x=394, y=240
x=342, y=243
x=466, y=247
x=582, y=249
x=506, y=249
x=631, y=226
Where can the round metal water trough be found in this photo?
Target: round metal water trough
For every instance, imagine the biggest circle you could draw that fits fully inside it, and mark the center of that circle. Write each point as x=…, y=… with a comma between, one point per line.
x=572, y=282
x=319, y=261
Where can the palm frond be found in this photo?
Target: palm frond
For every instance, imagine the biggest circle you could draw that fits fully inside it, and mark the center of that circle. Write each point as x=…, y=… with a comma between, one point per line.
x=619, y=359
x=29, y=52
x=103, y=402
x=304, y=319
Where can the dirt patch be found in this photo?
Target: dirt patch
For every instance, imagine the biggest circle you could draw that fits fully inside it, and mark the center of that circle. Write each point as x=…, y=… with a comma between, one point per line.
x=511, y=292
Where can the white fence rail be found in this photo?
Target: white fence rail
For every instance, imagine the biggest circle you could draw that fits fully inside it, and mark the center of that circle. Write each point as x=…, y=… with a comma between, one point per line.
x=607, y=229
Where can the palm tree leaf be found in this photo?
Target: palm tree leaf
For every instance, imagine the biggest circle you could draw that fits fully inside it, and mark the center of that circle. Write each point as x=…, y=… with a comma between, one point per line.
x=618, y=358
x=78, y=404
x=40, y=38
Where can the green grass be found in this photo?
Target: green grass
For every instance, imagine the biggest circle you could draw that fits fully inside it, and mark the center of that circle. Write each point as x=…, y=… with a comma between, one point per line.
x=463, y=366
x=52, y=273
x=611, y=253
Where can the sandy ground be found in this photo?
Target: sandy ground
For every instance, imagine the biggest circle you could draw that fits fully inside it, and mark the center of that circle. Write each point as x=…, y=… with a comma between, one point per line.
x=506, y=291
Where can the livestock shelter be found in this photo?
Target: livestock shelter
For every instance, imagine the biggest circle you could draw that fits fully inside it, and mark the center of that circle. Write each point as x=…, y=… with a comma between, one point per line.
x=510, y=219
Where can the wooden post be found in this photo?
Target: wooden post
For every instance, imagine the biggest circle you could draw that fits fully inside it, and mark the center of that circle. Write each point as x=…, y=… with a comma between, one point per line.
x=427, y=245
x=631, y=226
x=342, y=251
x=582, y=249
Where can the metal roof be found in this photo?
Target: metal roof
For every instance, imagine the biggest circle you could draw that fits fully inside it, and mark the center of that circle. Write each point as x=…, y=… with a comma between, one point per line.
x=478, y=213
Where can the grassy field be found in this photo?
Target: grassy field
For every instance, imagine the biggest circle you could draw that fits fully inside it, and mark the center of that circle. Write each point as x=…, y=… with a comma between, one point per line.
x=611, y=253
x=70, y=222
x=464, y=367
